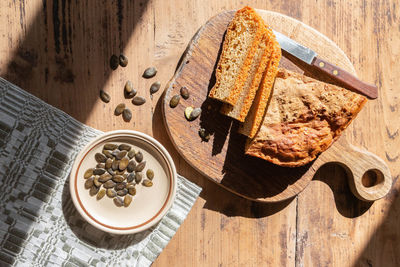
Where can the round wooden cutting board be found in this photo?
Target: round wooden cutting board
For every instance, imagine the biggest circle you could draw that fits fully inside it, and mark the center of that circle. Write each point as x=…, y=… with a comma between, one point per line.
x=222, y=158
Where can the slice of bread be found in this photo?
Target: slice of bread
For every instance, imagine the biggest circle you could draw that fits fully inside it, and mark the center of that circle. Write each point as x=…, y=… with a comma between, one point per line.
x=242, y=39
x=255, y=115
x=241, y=108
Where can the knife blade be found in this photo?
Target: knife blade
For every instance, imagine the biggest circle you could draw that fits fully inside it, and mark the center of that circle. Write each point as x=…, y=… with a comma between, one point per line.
x=310, y=57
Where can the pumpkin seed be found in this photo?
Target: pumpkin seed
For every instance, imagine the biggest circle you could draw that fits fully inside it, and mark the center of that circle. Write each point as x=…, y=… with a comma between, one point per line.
x=194, y=114
x=110, y=146
x=118, y=172
x=100, y=165
x=97, y=182
x=149, y=72
x=118, y=178
x=131, y=166
x=147, y=183
x=109, y=184
x=129, y=91
x=150, y=174
x=123, y=60
x=139, y=156
x=101, y=194
x=108, y=154
x=184, y=92
x=121, y=154
x=127, y=115
x=204, y=135
x=130, y=178
x=111, y=193
x=155, y=87
x=174, y=101
x=88, y=173
x=114, y=62
x=140, y=166
x=98, y=171
x=123, y=164
x=118, y=201
x=104, y=96
x=127, y=200
x=108, y=163
x=138, y=100
x=125, y=175
x=119, y=109
x=124, y=147
x=122, y=192
x=120, y=186
x=93, y=190
x=138, y=177
x=110, y=171
x=130, y=185
x=105, y=177
x=100, y=158
x=89, y=183
x=132, y=191
x=188, y=111
x=131, y=153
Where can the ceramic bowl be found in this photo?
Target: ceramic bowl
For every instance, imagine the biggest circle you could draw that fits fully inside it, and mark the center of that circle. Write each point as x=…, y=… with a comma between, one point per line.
x=149, y=204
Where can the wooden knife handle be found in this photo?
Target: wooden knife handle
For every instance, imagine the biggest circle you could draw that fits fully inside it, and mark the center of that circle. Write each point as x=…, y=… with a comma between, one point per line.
x=349, y=80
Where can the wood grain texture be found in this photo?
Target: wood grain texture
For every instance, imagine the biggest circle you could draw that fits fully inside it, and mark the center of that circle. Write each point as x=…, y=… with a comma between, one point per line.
x=222, y=159
x=59, y=51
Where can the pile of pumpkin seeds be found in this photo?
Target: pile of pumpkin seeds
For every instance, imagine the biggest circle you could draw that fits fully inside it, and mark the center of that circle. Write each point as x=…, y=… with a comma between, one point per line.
x=118, y=171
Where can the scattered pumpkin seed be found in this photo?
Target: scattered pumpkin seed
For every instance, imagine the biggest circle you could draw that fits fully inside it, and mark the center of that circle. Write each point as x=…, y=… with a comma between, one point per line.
x=110, y=146
x=121, y=154
x=101, y=194
x=122, y=192
x=111, y=193
x=150, y=174
x=149, y=72
x=139, y=156
x=123, y=60
x=119, y=109
x=129, y=91
x=118, y=201
x=174, y=101
x=98, y=171
x=138, y=100
x=131, y=153
x=195, y=113
x=104, y=96
x=114, y=62
x=89, y=183
x=127, y=200
x=118, y=178
x=147, y=183
x=140, y=166
x=105, y=177
x=127, y=115
x=131, y=166
x=205, y=136
x=184, y=92
x=108, y=163
x=109, y=184
x=124, y=147
x=93, y=190
x=138, y=177
x=188, y=111
x=155, y=87
x=88, y=173
x=100, y=158
x=97, y=182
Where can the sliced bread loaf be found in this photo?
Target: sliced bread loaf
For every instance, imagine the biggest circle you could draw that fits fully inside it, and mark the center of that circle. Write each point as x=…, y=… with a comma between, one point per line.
x=242, y=39
x=255, y=115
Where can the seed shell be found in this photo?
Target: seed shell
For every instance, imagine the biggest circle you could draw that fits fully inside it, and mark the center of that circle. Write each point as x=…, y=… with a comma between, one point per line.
x=139, y=156
x=101, y=194
x=155, y=87
x=123, y=60
x=88, y=173
x=111, y=193
x=149, y=72
x=114, y=62
x=150, y=174
x=127, y=200
x=104, y=96
x=118, y=201
x=138, y=100
x=140, y=166
x=110, y=146
x=184, y=93
x=119, y=109
x=174, y=101
x=147, y=183
x=127, y=115
x=100, y=158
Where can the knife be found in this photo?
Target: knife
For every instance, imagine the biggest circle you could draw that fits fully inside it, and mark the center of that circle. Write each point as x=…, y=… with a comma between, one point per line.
x=310, y=57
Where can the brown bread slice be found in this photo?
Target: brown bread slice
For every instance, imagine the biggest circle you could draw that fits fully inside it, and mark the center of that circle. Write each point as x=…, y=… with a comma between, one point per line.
x=305, y=116
x=241, y=108
x=243, y=35
x=258, y=107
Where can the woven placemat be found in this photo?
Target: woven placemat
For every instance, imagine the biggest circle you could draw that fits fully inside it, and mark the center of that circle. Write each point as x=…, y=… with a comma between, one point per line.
x=39, y=225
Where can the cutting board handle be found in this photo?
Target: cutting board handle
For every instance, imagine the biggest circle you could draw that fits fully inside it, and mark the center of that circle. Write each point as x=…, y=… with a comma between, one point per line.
x=369, y=176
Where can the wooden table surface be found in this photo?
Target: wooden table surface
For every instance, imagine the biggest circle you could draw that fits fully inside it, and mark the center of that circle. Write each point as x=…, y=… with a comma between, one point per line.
x=59, y=51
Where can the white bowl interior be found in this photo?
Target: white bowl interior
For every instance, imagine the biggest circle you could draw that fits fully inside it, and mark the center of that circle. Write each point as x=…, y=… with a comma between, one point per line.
x=148, y=205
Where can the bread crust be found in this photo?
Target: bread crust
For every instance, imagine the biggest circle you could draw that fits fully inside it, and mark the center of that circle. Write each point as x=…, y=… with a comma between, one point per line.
x=304, y=118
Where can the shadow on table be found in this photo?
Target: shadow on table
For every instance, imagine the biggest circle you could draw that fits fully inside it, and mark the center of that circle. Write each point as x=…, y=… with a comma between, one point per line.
x=90, y=234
